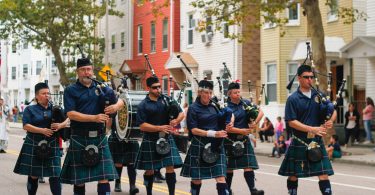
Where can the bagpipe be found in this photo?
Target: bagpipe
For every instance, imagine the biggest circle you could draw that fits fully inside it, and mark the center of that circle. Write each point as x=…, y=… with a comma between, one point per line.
x=58, y=116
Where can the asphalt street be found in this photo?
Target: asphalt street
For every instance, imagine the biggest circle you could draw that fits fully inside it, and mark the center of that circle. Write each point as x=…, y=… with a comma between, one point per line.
x=349, y=179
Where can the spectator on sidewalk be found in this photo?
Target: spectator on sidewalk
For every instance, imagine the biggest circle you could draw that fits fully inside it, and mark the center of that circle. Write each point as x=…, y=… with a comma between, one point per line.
x=279, y=127
x=4, y=113
x=15, y=113
x=22, y=108
x=351, y=124
x=334, y=149
x=367, y=117
x=279, y=147
x=266, y=130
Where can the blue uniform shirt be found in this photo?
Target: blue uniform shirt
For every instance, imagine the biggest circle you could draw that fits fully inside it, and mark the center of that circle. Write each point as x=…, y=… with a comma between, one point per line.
x=201, y=116
x=153, y=112
x=240, y=116
x=305, y=110
x=85, y=100
x=37, y=116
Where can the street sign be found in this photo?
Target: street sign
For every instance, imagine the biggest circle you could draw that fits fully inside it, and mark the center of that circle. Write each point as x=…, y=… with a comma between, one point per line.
x=102, y=72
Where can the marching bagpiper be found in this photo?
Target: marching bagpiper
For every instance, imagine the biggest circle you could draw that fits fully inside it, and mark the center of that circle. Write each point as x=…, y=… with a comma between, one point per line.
x=40, y=155
x=158, y=148
x=239, y=150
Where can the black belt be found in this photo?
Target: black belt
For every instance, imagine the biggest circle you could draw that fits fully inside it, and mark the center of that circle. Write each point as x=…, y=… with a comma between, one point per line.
x=88, y=133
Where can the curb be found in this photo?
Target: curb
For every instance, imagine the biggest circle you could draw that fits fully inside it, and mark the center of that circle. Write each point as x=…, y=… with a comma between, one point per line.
x=338, y=160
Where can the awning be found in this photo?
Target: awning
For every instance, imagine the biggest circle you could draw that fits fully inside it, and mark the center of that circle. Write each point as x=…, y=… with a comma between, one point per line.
x=174, y=62
x=136, y=66
x=360, y=47
x=332, y=44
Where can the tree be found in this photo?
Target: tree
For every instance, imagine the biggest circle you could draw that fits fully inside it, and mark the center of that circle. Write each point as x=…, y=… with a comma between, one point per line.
x=58, y=25
x=236, y=12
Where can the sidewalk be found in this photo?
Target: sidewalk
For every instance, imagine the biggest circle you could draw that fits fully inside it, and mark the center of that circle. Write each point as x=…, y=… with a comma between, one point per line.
x=355, y=154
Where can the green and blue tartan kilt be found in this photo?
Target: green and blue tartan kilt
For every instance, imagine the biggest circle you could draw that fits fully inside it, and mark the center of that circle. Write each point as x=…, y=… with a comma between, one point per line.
x=248, y=160
x=296, y=163
x=148, y=159
x=123, y=152
x=28, y=164
x=195, y=168
x=74, y=172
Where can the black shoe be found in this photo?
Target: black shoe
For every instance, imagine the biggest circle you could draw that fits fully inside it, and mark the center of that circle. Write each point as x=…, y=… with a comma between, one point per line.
x=133, y=190
x=2, y=151
x=257, y=192
x=118, y=186
x=41, y=180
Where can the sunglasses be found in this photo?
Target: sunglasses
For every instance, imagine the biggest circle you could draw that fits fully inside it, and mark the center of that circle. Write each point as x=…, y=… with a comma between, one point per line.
x=308, y=77
x=156, y=87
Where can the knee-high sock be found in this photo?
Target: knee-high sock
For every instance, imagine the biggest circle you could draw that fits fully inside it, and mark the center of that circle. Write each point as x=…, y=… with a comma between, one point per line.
x=55, y=185
x=104, y=189
x=79, y=190
x=325, y=187
x=171, y=182
x=292, y=187
x=195, y=188
x=119, y=172
x=250, y=177
x=228, y=179
x=222, y=189
x=32, y=185
x=148, y=182
x=132, y=174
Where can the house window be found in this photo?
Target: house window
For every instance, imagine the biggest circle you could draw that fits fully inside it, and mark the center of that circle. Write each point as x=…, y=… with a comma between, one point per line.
x=140, y=39
x=25, y=45
x=293, y=14
x=14, y=72
x=225, y=79
x=292, y=69
x=153, y=43
x=123, y=39
x=14, y=47
x=332, y=14
x=165, y=84
x=225, y=30
x=138, y=85
x=271, y=82
x=191, y=29
x=209, y=27
x=113, y=41
x=165, y=34
x=38, y=67
x=25, y=69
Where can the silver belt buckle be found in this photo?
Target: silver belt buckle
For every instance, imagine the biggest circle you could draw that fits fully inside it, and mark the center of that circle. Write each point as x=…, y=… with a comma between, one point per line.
x=93, y=133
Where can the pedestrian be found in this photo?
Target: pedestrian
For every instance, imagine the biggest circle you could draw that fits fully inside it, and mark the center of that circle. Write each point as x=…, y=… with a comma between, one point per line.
x=4, y=112
x=367, y=117
x=201, y=162
x=244, y=158
x=279, y=127
x=154, y=122
x=334, y=149
x=22, y=108
x=302, y=113
x=40, y=153
x=88, y=157
x=351, y=124
x=266, y=130
x=15, y=113
x=124, y=153
x=183, y=122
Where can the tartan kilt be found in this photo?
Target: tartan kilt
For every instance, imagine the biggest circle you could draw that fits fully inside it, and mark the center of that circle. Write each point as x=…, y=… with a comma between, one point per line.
x=148, y=159
x=296, y=155
x=195, y=168
x=123, y=152
x=248, y=160
x=74, y=172
x=28, y=164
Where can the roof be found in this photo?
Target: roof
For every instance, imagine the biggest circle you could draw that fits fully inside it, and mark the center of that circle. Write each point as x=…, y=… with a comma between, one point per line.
x=363, y=46
x=134, y=66
x=174, y=62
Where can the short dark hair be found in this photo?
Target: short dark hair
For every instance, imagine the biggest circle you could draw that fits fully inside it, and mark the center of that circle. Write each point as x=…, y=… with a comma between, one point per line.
x=303, y=68
x=335, y=137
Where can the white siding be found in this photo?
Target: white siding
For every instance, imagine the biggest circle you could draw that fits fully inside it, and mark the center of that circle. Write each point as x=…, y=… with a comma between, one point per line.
x=209, y=57
x=359, y=72
x=371, y=18
x=370, y=79
x=359, y=27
